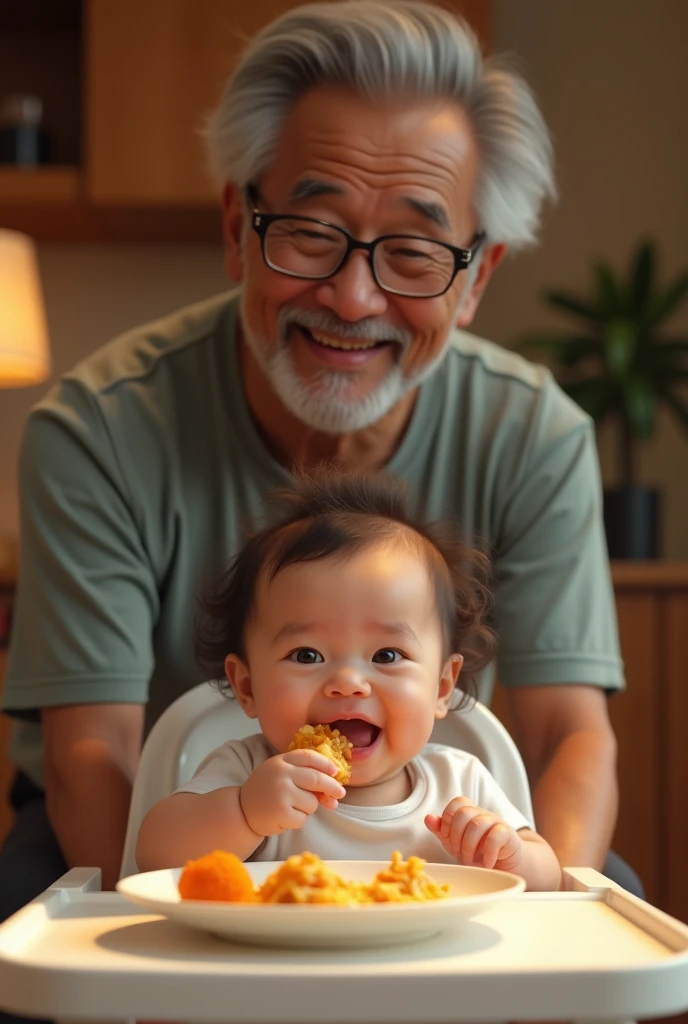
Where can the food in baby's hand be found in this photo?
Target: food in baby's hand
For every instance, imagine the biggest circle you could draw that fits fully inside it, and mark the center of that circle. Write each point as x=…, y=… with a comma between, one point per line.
x=304, y=878
x=329, y=742
x=218, y=876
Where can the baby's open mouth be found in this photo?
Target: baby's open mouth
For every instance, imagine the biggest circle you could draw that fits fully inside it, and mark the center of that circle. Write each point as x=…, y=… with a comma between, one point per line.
x=360, y=733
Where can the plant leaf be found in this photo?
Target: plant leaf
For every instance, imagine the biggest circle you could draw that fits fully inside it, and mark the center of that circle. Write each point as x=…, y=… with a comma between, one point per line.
x=572, y=304
x=567, y=350
x=667, y=303
x=620, y=344
x=593, y=394
x=610, y=292
x=642, y=277
x=640, y=399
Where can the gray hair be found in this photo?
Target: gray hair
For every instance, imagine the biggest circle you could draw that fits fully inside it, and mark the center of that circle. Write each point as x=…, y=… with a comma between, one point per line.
x=381, y=49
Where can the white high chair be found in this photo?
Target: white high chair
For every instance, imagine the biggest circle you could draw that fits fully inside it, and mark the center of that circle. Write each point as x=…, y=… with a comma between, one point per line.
x=203, y=719
x=591, y=954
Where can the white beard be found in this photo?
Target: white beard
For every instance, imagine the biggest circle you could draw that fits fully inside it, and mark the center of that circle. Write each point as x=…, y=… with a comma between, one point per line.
x=327, y=402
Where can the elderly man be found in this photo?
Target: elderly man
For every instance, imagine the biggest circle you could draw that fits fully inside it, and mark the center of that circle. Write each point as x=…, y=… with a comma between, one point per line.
x=374, y=171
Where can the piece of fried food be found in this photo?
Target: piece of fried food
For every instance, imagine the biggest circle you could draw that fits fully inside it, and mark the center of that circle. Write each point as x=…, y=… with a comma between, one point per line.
x=219, y=876
x=303, y=878
x=330, y=742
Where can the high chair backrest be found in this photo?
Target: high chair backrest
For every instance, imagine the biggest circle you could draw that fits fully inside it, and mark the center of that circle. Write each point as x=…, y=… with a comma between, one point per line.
x=203, y=719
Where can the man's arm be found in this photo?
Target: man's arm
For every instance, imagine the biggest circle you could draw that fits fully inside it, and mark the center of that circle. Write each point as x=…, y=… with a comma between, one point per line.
x=91, y=754
x=569, y=750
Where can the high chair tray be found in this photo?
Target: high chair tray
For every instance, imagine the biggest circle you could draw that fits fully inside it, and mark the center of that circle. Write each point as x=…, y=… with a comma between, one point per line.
x=592, y=952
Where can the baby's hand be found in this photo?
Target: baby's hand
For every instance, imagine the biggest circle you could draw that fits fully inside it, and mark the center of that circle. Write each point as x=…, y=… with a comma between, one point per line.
x=283, y=791
x=476, y=836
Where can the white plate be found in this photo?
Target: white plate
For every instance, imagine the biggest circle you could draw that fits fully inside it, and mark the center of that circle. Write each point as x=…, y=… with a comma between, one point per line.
x=472, y=889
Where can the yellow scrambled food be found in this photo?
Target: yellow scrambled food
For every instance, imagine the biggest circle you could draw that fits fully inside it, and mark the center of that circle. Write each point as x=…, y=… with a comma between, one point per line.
x=304, y=878
x=327, y=741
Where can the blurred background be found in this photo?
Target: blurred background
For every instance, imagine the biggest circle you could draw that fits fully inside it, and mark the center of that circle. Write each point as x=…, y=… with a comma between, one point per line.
x=100, y=164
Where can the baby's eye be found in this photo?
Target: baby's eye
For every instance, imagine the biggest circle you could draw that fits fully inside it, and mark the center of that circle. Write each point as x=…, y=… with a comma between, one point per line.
x=306, y=656
x=387, y=656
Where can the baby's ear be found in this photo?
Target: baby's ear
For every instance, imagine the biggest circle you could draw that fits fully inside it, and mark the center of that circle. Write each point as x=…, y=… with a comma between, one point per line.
x=240, y=680
x=450, y=674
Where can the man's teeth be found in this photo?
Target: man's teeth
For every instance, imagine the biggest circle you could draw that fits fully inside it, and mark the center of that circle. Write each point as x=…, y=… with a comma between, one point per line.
x=346, y=344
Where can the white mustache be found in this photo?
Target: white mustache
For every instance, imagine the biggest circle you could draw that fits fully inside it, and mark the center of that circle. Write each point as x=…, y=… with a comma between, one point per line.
x=370, y=329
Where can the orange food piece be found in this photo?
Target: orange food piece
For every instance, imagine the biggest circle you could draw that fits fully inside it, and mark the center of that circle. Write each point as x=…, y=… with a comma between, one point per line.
x=329, y=742
x=218, y=876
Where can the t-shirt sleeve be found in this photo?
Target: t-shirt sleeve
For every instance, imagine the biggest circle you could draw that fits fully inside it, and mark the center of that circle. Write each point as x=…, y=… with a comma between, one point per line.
x=228, y=765
x=554, y=604
x=87, y=599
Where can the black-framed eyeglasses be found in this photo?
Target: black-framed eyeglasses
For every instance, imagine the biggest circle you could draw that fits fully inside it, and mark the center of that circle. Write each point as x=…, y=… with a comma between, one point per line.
x=311, y=249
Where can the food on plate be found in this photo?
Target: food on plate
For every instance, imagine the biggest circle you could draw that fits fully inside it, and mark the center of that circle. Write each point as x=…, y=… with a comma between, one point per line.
x=327, y=741
x=305, y=878
x=404, y=881
x=219, y=876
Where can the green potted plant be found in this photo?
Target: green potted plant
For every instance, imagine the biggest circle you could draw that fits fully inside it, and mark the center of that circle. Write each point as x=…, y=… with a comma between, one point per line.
x=620, y=363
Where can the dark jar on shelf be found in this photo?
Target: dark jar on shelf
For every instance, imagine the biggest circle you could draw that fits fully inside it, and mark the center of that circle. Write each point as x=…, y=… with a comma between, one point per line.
x=23, y=141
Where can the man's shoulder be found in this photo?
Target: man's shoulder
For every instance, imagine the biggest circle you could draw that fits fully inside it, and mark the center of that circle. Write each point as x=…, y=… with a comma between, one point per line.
x=506, y=382
x=493, y=362
x=136, y=355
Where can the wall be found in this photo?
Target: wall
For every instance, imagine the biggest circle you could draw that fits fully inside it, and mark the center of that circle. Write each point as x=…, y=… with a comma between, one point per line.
x=612, y=82
x=610, y=77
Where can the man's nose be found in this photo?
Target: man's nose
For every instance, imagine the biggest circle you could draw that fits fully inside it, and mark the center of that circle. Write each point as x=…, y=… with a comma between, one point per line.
x=352, y=293
x=347, y=682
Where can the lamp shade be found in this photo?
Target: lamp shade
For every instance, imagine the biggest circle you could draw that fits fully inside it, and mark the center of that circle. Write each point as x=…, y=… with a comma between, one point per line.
x=24, y=350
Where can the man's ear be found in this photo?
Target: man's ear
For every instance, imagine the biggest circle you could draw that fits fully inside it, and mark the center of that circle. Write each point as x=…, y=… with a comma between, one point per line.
x=239, y=678
x=490, y=257
x=234, y=214
x=450, y=674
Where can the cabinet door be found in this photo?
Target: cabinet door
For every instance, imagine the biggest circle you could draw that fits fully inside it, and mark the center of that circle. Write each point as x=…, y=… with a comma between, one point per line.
x=154, y=68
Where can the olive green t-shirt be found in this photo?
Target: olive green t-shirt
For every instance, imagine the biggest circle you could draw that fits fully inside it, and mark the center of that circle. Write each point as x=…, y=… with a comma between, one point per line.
x=142, y=468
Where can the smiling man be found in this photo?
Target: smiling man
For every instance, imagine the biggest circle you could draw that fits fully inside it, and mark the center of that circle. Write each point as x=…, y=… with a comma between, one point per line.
x=374, y=170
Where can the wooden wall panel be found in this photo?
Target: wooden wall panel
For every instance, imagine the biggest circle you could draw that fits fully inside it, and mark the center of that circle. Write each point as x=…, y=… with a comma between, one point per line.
x=634, y=717
x=153, y=71
x=674, y=768
x=6, y=766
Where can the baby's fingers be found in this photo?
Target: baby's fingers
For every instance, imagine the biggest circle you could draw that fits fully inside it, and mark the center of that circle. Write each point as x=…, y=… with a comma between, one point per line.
x=473, y=833
x=315, y=781
x=328, y=802
x=455, y=816
x=499, y=843
x=434, y=823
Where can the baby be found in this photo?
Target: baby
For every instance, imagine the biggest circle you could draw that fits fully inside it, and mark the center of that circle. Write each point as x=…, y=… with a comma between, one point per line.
x=350, y=614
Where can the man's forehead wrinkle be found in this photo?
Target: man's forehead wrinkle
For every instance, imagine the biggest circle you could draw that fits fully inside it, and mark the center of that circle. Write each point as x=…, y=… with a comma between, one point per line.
x=329, y=146
x=418, y=169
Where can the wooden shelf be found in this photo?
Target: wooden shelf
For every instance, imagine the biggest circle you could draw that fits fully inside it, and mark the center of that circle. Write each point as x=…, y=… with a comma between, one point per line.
x=49, y=204
x=659, y=575
x=60, y=185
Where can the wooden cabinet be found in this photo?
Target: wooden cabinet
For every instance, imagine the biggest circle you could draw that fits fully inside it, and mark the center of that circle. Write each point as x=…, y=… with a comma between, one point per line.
x=651, y=719
x=131, y=161
x=154, y=70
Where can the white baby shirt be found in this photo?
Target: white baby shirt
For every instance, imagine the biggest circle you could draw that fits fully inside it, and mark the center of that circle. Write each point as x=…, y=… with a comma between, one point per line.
x=438, y=774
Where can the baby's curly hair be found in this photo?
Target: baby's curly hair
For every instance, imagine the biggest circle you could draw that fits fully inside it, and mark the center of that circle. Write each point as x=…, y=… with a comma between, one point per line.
x=331, y=512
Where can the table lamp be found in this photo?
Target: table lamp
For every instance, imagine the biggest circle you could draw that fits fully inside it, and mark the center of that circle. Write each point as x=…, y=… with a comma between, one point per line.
x=24, y=350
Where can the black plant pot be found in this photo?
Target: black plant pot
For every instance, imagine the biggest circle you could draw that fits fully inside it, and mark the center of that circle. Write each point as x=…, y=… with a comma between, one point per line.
x=631, y=522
